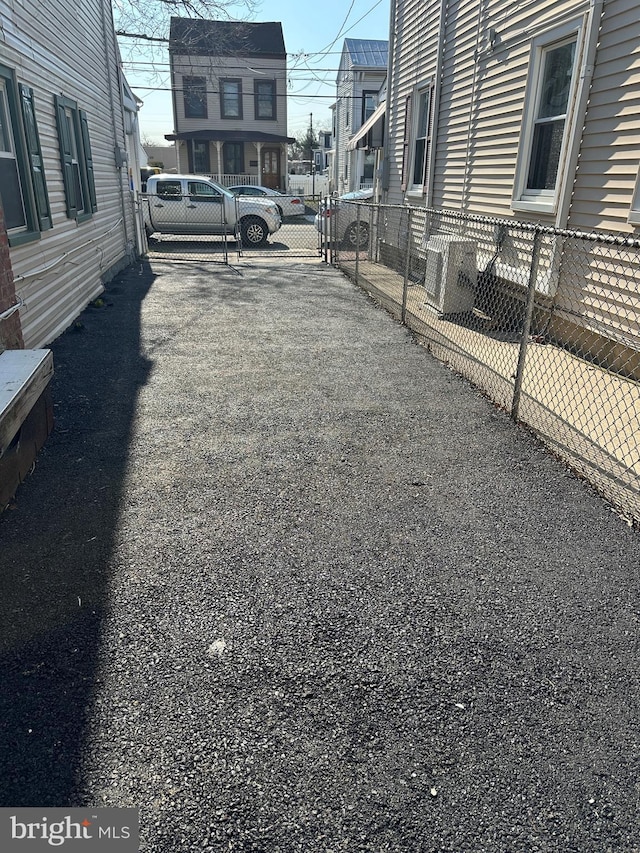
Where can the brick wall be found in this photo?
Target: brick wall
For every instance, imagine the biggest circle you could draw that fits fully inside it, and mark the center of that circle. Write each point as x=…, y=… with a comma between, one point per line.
x=10, y=329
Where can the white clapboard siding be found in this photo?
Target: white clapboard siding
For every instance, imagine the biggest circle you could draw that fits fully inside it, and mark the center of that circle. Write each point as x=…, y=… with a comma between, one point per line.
x=58, y=275
x=413, y=63
x=610, y=151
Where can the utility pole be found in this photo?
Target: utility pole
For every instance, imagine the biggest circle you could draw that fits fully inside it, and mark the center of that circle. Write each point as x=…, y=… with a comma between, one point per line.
x=313, y=162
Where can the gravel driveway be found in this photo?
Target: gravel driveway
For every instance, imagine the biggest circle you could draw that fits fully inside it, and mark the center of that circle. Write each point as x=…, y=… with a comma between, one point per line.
x=286, y=583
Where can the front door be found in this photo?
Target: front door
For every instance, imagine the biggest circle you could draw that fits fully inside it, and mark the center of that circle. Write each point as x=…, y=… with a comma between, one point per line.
x=270, y=168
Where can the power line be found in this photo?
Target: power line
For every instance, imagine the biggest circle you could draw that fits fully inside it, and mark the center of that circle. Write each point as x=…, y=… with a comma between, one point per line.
x=178, y=90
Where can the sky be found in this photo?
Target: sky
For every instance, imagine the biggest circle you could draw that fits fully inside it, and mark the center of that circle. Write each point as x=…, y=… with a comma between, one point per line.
x=313, y=35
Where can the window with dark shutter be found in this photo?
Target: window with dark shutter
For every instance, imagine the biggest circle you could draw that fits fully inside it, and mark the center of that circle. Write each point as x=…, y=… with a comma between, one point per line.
x=76, y=159
x=34, y=152
x=17, y=181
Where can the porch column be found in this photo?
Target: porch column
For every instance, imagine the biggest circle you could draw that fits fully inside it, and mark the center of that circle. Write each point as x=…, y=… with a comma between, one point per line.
x=219, y=163
x=284, y=167
x=259, y=150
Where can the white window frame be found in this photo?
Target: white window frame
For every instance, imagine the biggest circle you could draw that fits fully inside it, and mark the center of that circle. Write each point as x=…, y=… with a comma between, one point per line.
x=8, y=152
x=426, y=88
x=548, y=201
x=634, y=212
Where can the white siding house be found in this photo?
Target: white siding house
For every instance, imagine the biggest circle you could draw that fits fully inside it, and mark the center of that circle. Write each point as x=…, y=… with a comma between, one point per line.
x=64, y=181
x=229, y=82
x=527, y=112
x=362, y=72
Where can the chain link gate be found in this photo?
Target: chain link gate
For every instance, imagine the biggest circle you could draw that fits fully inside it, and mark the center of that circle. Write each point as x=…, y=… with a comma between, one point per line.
x=208, y=239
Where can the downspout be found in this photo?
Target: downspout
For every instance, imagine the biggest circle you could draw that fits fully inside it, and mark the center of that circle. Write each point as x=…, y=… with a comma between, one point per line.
x=586, y=77
x=129, y=244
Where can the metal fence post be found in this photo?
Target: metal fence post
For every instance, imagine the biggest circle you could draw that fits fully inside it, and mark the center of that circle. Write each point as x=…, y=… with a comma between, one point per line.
x=358, y=209
x=407, y=261
x=526, y=325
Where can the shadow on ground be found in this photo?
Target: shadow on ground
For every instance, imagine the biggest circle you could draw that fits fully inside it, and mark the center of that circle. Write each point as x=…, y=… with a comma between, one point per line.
x=55, y=548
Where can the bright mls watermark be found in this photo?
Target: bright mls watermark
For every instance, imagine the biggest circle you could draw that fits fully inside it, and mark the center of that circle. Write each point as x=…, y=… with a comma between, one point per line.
x=80, y=830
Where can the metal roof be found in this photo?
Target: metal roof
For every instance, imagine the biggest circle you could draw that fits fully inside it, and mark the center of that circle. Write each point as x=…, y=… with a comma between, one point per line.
x=371, y=53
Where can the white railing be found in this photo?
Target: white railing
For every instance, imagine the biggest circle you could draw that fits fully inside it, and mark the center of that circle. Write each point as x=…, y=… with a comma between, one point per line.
x=236, y=180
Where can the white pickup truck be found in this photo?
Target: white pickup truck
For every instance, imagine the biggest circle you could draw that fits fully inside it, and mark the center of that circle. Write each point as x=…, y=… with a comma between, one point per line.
x=193, y=204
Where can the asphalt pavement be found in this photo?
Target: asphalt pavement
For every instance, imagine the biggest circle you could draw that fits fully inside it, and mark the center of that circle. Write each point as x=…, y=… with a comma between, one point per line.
x=284, y=582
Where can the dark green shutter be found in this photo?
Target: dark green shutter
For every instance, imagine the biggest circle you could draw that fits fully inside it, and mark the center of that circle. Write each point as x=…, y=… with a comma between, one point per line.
x=88, y=160
x=35, y=157
x=66, y=159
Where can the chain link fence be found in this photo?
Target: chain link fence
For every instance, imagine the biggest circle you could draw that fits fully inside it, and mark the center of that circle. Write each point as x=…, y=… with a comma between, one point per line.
x=545, y=322
x=199, y=228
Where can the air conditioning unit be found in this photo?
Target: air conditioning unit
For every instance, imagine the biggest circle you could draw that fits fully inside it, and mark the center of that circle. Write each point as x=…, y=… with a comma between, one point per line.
x=451, y=273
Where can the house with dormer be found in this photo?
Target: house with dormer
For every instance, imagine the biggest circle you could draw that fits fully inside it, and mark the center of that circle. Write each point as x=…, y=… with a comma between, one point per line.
x=229, y=82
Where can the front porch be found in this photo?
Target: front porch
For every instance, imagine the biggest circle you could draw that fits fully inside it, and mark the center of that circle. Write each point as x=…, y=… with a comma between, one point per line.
x=230, y=157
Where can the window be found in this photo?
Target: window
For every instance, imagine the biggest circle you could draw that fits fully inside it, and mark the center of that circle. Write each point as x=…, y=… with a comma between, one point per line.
x=77, y=162
x=194, y=90
x=199, y=161
x=545, y=136
x=265, y=99
x=199, y=191
x=233, y=158
x=369, y=104
x=169, y=190
x=231, y=98
x=418, y=130
x=634, y=213
x=22, y=181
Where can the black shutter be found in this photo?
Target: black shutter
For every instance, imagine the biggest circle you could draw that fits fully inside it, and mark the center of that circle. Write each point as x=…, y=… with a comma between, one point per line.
x=88, y=160
x=66, y=159
x=35, y=157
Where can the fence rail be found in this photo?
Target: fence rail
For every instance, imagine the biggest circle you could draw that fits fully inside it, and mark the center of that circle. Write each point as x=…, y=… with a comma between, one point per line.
x=546, y=322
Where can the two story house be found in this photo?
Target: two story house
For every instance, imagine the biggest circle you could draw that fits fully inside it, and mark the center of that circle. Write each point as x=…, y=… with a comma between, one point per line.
x=229, y=82
x=361, y=75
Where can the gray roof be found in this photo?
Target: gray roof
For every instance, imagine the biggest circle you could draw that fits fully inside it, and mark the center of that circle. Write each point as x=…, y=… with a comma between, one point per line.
x=226, y=38
x=371, y=53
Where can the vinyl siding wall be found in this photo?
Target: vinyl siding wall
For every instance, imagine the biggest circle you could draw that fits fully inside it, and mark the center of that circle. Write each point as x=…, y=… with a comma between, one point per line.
x=59, y=274
x=610, y=150
x=213, y=69
x=413, y=50
x=479, y=122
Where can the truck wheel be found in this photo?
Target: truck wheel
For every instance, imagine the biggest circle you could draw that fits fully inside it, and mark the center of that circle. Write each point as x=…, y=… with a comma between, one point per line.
x=357, y=235
x=254, y=231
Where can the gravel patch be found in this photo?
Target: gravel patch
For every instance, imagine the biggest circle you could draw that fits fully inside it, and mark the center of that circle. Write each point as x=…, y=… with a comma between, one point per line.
x=284, y=582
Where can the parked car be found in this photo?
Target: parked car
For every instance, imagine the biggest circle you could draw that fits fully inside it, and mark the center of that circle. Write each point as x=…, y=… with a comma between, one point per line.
x=289, y=205
x=194, y=204
x=339, y=220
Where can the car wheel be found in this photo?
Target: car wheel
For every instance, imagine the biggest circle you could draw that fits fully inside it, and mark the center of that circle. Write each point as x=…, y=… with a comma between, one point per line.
x=254, y=231
x=357, y=235
x=280, y=211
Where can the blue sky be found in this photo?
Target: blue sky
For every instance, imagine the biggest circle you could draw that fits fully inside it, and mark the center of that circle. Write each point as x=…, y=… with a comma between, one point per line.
x=313, y=39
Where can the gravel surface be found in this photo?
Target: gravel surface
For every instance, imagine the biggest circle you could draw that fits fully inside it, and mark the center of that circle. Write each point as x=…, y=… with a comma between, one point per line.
x=286, y=583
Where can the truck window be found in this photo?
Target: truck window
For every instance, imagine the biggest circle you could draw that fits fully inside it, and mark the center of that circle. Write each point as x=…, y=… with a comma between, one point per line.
x=199, y=191
x=169, y=189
